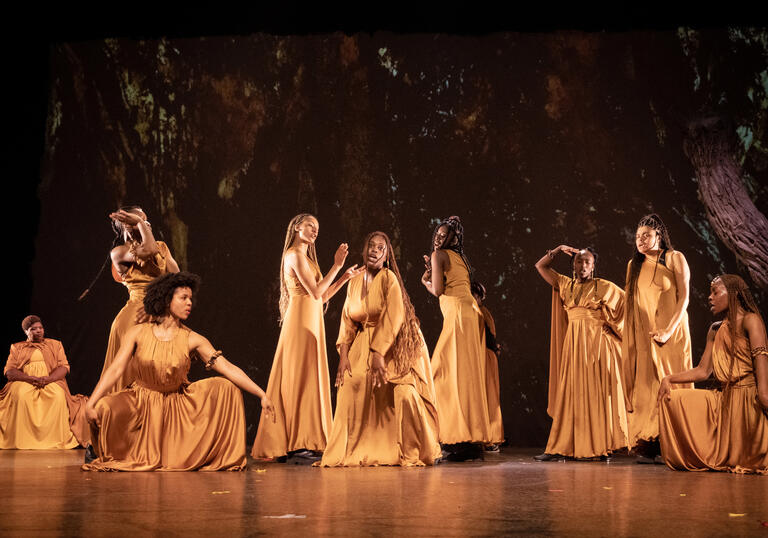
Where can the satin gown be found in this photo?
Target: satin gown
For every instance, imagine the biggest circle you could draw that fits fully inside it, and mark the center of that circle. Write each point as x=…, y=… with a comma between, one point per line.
x=646, y=362
x=136, y=279
x=395, y=424
x=161, y=422
x=299, y=384
x=492, y=382
x=458, y=362
x=33, y=418
x=586, y=395
x=718, y=430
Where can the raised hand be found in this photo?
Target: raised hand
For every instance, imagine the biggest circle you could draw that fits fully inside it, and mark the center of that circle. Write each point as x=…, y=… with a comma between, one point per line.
x=341, y=254
x=126, y=217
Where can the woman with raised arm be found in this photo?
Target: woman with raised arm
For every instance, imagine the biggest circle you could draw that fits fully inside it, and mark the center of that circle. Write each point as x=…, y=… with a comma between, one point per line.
x=385, y=408
x=656, y=340
x=134, y=263
x=586, y=396
x=299, y=383
x=725, y=429
x=161, y=422
x=458, y=360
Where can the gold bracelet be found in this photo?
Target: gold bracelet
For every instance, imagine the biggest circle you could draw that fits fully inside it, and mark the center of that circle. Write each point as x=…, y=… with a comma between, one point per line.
x=216, y=354
x=760, y=350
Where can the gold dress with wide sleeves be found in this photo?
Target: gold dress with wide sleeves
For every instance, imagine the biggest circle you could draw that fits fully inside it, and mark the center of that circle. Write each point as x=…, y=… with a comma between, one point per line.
x=492, y=381
x=44, y=418
x=458, y=362
x=646, y=362
x=299, y=384
x=587, y=402
x=162, y=422
x=719, y=430
x=395, y=424
x=136, y=279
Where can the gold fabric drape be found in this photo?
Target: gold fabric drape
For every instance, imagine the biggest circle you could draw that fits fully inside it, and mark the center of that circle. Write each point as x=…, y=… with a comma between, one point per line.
x=492, y=381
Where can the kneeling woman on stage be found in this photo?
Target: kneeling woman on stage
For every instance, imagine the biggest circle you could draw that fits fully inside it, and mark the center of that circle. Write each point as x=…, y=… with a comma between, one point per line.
x=385, y=411
x=727, y=429
x=161, y=422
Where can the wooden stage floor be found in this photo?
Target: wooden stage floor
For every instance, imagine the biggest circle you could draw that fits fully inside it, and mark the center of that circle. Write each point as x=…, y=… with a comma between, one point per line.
x=44, y=493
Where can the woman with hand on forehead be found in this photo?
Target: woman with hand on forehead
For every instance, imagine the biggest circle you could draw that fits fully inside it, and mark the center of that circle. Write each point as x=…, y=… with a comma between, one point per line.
x=586, y=397
x=385, y=409
x=299, y=383
x=134, y=263
x=656, y=340
x=725, y=429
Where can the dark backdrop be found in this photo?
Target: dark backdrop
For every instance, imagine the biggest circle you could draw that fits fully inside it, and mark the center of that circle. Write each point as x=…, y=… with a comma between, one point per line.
x=533, y=138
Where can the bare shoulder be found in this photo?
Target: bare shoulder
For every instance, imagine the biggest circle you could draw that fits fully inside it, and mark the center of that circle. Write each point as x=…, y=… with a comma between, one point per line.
x=118, y=253
x=753, y=322
x=677, y=258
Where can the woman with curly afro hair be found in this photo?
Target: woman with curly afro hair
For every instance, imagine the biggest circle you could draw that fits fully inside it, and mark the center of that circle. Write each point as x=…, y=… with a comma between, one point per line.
x=162, y=422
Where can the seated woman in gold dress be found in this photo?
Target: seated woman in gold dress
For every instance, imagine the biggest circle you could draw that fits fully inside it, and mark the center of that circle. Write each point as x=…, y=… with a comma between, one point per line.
x=385, y=409
x=725, y=429
x=161, y=422
x=36, y=408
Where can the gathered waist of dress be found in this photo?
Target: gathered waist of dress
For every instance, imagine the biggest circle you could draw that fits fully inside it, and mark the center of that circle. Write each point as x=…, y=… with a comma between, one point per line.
x=137, y=294
x=747, y=381
x=165, y=389
x=578, y=313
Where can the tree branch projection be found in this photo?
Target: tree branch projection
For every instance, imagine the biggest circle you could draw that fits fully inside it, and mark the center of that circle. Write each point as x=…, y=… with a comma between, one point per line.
x=730, y=210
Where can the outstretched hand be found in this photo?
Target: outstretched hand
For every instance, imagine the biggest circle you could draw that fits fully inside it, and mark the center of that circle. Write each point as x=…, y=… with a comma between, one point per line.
x=341, y=254
x=352, y=272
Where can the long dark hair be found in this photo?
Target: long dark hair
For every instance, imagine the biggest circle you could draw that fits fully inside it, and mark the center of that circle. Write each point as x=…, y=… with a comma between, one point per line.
x=455, y=231
x=119, y=239
x=408, y=342
x=652, y=221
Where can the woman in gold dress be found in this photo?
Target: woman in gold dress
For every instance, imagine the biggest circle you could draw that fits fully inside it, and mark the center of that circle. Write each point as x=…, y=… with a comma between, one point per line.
x=586, y=396
x=458, y=360
x=134, y=263
x=37, y=411
x=492, y=352
x=656, y=340
x=725, y=429
x=161, y=422
x=299, y=384
x=385, y=410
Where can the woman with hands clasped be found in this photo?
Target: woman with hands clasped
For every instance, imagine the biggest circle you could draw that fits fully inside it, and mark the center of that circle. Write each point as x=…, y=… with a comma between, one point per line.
x=299, y=384
x=586, y=396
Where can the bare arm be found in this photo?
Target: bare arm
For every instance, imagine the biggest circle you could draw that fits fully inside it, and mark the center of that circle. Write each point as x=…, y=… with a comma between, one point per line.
x=301, y=267
x=352, y=272
x=542, y=266
x=435, y=284
x=170, y=263
x=682, y=280
x=700, y=373
x=14, y=374
x=60, y=372
x=755, y=330
x=235, y=374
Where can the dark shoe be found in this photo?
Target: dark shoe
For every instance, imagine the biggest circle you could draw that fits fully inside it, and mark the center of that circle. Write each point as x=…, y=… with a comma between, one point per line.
x=606, y=458
x=466, y=451
x=549, y=457
x=90, y=454
x=303, y=457
x=644, y=459
x=492, y=448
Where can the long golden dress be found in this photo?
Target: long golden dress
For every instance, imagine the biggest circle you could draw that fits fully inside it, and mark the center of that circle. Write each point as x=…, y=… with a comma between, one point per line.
x=35, y=418
x=492, y=382
x=646, y=362
x=718, y=430
x=299, y=384
x=161, y=422
x=458, y=361
x=395, y=424
x=586, y=396
x=136, y=279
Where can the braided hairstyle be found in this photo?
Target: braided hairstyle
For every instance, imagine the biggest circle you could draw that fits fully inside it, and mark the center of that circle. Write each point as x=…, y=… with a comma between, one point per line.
x=454, y=239
x=119, y=239
x=594, y=265
x=408, y=343
x=290, y=235
x=652, y=221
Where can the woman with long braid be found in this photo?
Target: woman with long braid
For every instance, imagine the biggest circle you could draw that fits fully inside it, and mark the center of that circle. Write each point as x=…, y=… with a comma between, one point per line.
x=458, y=360
x=385, y=408
x=656, y=340
x=299, y=384
x=586, y=396
x=725, y=429
x=135, y=263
